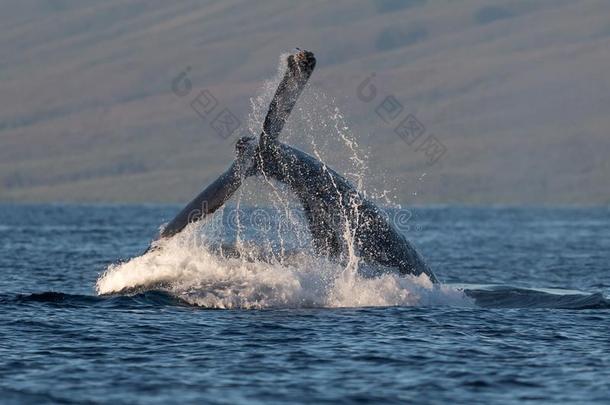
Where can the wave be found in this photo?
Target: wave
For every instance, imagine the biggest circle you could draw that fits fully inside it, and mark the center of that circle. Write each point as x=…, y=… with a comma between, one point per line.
x=152, y=298
x=499, y=296
x=493, y=297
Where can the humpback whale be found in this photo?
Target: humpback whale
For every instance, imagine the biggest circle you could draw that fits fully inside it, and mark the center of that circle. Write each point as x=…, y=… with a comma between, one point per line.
x=340, y=219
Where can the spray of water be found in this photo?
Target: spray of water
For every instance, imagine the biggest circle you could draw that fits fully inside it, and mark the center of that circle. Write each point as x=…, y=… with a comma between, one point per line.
x=273, y=267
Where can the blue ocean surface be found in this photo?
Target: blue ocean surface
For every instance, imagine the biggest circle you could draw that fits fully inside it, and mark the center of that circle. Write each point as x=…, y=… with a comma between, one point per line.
x=523, y=315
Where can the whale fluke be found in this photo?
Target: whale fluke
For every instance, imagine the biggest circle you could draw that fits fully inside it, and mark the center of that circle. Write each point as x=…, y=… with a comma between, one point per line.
x=299, y=68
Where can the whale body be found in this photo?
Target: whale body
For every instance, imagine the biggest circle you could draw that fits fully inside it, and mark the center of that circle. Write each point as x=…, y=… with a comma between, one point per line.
x=332, y=206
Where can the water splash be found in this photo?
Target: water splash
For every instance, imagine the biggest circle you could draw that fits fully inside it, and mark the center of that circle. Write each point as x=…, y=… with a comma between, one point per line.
x=187, y=268
x=255, y=275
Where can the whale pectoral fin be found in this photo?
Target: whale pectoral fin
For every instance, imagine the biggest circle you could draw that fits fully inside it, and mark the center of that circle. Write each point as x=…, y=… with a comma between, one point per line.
x=207, y=202
x=299, y=70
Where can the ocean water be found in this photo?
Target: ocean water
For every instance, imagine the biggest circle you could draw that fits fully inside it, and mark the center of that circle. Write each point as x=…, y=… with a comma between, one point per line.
x=522, y=315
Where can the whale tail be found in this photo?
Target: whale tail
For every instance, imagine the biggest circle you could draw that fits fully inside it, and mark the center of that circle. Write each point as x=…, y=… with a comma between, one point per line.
x=299, y=68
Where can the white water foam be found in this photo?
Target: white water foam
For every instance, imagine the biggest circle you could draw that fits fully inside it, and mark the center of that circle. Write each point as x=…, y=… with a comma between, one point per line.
x=199, y=277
